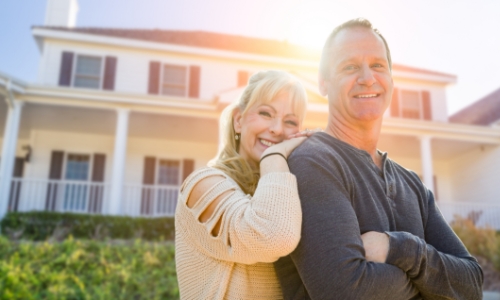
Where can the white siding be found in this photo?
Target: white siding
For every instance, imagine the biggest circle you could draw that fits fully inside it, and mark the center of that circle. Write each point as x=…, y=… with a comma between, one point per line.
x=475, y=175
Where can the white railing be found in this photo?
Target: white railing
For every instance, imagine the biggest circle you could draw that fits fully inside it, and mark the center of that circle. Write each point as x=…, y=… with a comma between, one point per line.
x=482, y=214
x=58, y=195
x=149, y=200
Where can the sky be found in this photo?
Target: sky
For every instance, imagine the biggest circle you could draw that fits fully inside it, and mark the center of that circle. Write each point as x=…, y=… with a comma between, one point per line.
x=459, y=37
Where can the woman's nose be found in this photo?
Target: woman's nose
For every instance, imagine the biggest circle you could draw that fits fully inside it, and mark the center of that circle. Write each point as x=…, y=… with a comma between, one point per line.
x=276, y=127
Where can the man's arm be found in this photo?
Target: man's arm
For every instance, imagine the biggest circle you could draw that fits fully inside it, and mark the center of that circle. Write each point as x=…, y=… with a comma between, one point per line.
x=330, y=256
x=440, y=266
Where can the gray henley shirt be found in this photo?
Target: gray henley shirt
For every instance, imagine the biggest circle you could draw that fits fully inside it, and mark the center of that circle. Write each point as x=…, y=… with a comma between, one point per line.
x=343, y=195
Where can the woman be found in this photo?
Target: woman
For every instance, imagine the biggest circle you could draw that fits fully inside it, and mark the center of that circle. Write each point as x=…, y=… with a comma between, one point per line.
x=229, y=230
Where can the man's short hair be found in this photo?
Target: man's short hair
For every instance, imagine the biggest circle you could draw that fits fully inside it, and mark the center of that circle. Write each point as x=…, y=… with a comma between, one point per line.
x=359, y=22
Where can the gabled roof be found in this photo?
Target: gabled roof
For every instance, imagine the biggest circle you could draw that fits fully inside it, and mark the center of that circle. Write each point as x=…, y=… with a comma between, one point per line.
x=202, y=39
x=482, y=112
x=222, y=41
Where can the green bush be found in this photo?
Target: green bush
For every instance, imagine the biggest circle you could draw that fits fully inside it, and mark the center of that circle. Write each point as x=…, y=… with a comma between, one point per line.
x=87, y=269
x=483, y=242
x=39, y=226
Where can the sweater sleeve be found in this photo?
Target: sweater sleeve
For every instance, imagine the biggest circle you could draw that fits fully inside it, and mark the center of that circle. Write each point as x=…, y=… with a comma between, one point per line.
x=440, y=266
x=254, y=229
x=330, y=257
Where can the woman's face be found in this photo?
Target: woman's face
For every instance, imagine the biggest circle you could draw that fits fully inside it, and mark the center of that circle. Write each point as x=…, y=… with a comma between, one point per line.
x=264, y=125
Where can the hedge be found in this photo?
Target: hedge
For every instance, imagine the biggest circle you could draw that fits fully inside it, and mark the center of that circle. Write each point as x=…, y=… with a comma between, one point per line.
x=39, y=226
x=87, y=269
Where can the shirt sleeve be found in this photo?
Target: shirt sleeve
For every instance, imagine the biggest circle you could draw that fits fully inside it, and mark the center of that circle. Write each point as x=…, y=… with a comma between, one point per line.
x=254, y=229
x=440, y=266
x=330, y=257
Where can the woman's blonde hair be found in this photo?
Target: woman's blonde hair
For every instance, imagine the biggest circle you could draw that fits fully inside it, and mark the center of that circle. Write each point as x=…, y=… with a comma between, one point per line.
x=262, y=88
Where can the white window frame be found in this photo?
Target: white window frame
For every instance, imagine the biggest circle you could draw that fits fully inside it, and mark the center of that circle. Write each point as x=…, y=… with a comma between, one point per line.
x=186, y=79
x=157, y=171
x=101, y=73
x=65, y=165
x=420, y=103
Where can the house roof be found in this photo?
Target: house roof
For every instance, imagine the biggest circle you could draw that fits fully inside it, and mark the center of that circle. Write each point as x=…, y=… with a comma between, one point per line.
x=482, y=112
x=222, y=41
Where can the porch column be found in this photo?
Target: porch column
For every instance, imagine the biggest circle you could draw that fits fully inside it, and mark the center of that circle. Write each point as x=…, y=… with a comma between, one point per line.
x=426, y=157
x=119, y=160
x=9, y=154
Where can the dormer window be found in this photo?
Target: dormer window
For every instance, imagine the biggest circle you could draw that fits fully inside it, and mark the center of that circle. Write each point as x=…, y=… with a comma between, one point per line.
x=90, y=71
x=174, y=80
x=411, y=104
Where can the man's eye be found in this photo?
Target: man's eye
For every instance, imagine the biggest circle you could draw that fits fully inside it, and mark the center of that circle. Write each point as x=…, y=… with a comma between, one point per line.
x=377, y=65
x=349, y=67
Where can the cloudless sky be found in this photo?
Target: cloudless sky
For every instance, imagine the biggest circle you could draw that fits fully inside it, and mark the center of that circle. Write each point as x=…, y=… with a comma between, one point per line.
x=459, y=37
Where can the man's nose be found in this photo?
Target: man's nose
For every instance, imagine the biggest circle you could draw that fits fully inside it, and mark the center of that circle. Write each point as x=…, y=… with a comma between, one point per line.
x=366, y=76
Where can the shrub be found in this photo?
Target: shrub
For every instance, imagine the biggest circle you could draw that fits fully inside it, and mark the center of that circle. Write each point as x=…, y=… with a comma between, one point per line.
x=483, y=242
x=39, y=226
x=87, y=269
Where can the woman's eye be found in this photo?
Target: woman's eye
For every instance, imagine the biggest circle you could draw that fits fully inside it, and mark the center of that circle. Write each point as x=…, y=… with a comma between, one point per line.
x=293, y=123
x=264, y=113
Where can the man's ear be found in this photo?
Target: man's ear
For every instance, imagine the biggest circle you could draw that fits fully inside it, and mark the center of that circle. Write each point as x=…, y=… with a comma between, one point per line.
x=322, y=84
x=237, y=120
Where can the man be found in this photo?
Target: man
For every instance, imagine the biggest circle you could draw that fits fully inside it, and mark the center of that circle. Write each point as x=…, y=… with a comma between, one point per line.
x=371, y=229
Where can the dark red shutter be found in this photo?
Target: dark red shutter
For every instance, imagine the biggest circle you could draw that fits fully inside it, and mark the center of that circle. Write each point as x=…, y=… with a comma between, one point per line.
x=109, y=73
x=242, y=78
x=55, y=173
x=97, y=190
x=426, y=105
x=154, y=78
x=187, y=168
x=66, y=68
x=194, y=81
x=148, y=178
x=395, y=103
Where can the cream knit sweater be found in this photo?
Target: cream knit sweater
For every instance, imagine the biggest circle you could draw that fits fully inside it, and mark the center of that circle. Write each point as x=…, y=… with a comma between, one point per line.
x=255, y=231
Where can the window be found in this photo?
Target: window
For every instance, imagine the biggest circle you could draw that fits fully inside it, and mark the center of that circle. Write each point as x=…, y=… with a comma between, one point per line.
x=411, y=104
x=169, y=172
x=88, y=72
x=174, y=81
x=75, y=193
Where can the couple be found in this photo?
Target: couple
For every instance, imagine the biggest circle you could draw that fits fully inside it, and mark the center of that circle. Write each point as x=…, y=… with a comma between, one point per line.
x=363, y=228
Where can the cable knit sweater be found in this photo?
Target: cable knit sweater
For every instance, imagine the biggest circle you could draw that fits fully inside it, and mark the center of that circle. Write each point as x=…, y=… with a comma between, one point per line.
x=255, y=231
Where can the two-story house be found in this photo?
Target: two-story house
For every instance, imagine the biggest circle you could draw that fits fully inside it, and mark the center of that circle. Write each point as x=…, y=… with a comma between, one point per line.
x=119, y=117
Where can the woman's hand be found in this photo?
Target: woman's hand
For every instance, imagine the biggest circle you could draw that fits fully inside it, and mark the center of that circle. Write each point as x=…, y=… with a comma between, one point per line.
x=376, y=246
x=306, y=132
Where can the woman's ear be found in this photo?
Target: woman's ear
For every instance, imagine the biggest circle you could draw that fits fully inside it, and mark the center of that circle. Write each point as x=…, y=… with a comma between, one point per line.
x=237, y=120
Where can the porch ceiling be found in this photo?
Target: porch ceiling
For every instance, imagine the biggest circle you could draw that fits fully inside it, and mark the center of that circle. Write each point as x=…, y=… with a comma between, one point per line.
x=409, y=147
x=103, y=122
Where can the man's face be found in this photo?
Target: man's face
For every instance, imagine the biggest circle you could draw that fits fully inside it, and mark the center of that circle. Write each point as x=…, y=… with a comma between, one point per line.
x=359, y=83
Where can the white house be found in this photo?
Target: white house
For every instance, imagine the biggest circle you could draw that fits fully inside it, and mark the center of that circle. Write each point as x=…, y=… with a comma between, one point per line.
x=118, y=118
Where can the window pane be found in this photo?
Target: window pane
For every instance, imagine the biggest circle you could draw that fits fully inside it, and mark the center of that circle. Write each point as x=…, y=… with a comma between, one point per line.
x=174, y=80
x=87, y=82
x=88, y=65
x=77, y=167
x=88, y=72
x=169, y=172
x=410, y=104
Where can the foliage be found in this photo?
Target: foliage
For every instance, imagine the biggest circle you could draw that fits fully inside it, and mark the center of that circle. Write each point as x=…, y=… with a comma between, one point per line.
x=484, y=242
x=39, y=226
x=86, y=269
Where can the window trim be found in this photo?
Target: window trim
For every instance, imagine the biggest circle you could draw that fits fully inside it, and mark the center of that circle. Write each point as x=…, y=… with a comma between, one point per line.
x=157, y=171
x=420, y=104
x=101, y=71
x=186, y=79
x=65, y=165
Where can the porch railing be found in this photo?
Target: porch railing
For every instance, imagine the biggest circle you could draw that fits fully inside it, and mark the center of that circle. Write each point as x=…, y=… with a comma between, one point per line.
x=29, y=194
x=91, y=197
